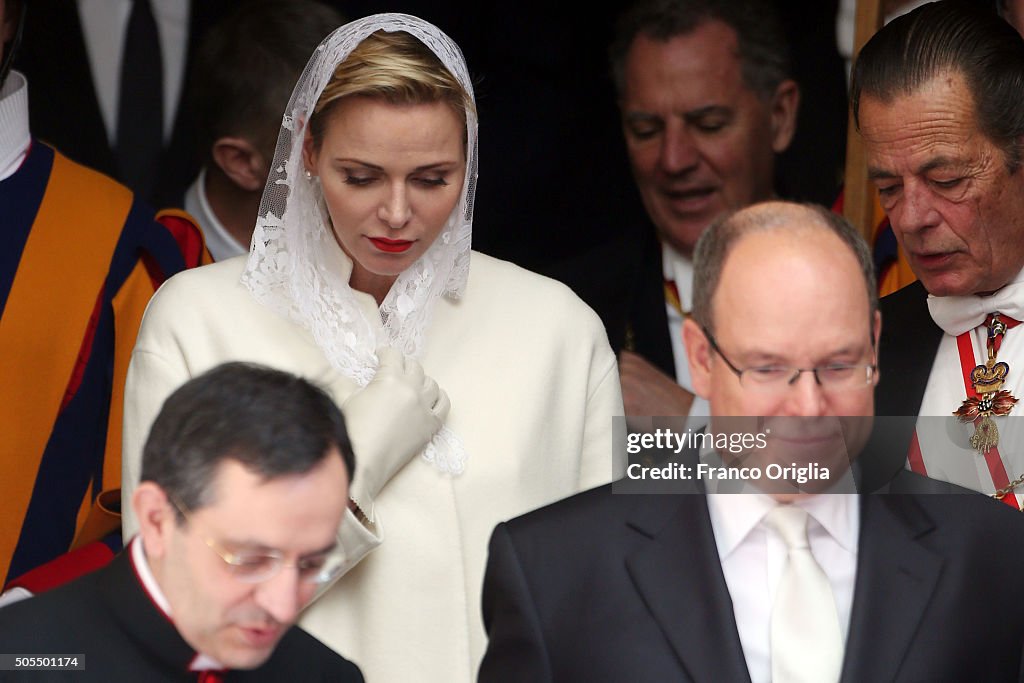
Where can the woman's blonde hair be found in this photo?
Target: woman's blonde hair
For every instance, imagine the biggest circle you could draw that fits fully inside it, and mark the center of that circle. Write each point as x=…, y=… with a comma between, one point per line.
x=395, y=67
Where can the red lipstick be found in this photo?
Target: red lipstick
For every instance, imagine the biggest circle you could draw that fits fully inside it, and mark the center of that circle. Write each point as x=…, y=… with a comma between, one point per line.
x=391, y=246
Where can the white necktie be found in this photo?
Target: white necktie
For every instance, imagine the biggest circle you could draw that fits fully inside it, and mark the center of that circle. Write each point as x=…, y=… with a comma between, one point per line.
x=957, y=314
x=806, y=642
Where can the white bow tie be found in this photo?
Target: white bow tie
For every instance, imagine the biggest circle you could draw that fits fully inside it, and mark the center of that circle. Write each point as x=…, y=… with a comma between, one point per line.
x=958, y=314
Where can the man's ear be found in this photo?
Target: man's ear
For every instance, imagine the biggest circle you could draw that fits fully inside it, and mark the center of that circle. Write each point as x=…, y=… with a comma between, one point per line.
x=784, y=106
x=242, y=162
x=698, y=355
x=157, y=518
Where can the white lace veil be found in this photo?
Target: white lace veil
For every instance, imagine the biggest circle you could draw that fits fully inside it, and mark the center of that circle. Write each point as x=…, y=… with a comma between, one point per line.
x=293, y=247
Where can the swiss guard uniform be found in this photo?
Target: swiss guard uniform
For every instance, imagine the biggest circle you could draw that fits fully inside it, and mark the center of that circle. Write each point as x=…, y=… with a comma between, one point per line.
x=81, y=259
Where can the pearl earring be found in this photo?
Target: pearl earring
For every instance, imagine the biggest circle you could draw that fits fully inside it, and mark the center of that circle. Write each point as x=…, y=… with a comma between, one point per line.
x=309, y=176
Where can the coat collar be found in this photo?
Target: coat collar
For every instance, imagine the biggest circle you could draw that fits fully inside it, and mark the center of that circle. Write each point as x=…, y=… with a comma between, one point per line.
x=139, y=618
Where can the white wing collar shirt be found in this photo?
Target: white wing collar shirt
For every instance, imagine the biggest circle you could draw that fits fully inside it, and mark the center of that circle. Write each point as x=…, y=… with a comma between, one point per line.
x=945, y=444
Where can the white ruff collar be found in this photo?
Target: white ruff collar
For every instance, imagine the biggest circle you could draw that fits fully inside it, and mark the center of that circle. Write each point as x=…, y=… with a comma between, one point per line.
x=14, y=133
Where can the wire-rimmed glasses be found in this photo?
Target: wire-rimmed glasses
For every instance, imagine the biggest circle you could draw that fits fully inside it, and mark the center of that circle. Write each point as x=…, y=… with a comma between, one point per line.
x=777, y=378
x=257, y=566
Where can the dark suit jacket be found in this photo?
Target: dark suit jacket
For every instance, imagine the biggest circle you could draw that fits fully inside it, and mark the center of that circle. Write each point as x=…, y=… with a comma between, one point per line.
x=64, y=109
x=622, y=280
x=603, y=587
x=108, y=617
x=906, y=351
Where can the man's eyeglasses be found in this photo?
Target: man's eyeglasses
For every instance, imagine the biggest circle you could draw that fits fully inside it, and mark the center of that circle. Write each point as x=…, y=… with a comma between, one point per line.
x=256, y=567
x=776, y=378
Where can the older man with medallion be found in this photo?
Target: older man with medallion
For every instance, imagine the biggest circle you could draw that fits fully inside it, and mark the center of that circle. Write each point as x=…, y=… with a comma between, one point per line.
x=938, y=96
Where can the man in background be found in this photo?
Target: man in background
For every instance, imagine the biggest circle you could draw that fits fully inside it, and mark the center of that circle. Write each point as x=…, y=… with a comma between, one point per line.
x=241, y=79
x=109, y=77
x=706, y=103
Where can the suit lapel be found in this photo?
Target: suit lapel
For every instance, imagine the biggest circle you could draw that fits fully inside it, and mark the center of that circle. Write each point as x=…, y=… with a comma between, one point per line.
x=910, y=339
x=896, y=576
x=647, y=317
x=679, y=577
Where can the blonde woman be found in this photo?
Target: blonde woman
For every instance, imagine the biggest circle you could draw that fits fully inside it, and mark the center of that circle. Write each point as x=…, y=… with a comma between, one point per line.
x=473, y=390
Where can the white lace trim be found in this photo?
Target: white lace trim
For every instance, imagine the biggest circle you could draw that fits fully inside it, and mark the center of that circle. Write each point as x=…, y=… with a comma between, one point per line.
x=296, y=267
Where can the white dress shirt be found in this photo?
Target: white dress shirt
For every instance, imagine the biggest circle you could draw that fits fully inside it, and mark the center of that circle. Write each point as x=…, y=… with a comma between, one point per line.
x=221, y=243
x=138, y=554
x=678, y=268
x=945, y=445
x=753, y=558
x=103, y=26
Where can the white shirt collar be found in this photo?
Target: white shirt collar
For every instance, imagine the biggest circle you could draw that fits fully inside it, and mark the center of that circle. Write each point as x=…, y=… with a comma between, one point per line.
x=138, y=555
x=838, y=514
x=679, y=269
x=14, y=131
x=734, y=516
x=958, y=314
x=219, y=241
x=146, y=576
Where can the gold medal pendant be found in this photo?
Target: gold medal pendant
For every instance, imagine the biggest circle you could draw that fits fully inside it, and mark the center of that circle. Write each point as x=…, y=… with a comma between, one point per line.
x=986, y=435
x=990, y=398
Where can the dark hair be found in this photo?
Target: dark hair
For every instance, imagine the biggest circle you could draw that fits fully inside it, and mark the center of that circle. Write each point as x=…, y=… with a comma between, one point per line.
x=246, y=67
x=950, y=37
x=717, y=241
x=272, y=422
x=763, y=48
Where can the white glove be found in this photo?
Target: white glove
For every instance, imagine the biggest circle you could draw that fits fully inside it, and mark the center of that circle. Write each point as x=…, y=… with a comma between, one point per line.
x=390, y=421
